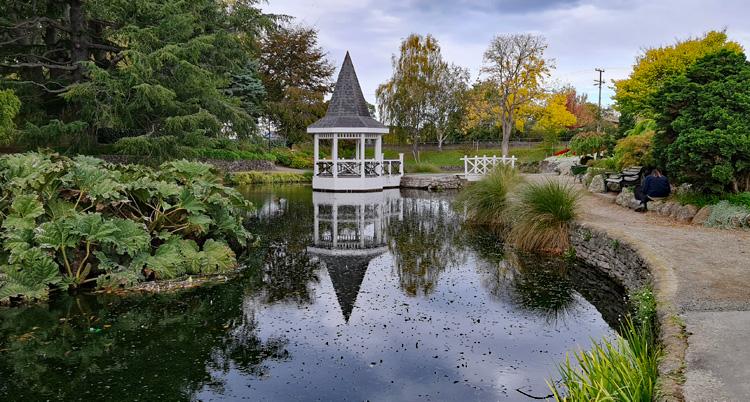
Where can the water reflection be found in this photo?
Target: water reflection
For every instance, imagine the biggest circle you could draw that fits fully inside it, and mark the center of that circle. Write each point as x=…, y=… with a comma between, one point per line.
x=383, y=296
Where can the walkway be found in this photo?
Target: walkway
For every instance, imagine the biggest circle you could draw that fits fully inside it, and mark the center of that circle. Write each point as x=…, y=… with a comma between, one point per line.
x=705, y=274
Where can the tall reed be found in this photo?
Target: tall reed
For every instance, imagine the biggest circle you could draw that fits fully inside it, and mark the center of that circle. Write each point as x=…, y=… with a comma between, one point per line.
x=486, y=201
x=542, y=216
x=624, y=369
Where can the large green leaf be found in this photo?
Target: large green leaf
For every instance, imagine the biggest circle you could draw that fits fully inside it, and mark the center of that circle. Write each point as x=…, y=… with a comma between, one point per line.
x=168, y=262
x=217, y=257
x=31, y=279
x=190, y=203
x=131, y=238
x=56, y=235
x=95, y=229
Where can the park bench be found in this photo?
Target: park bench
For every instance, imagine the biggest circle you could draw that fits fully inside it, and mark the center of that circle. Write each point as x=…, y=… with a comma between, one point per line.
x=629, y=177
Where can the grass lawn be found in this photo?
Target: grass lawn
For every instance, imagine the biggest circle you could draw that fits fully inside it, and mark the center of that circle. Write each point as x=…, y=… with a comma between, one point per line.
x=452, y=157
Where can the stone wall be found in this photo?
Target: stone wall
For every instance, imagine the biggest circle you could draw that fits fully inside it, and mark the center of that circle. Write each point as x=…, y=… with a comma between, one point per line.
x=438, y=182
x=616, y=259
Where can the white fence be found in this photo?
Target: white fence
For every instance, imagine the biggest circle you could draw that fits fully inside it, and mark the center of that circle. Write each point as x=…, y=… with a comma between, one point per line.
x=476, y=167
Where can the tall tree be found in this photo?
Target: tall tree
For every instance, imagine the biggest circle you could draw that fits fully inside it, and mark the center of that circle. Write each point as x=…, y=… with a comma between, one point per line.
x=516, y=67
x=409, y=100
x=297, y=76
x=159, y=67
x=580, y=107
x=656, y=66
x=448, y=101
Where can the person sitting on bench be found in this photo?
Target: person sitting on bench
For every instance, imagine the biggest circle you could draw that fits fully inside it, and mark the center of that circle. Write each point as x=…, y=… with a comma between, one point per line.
x=654, y=186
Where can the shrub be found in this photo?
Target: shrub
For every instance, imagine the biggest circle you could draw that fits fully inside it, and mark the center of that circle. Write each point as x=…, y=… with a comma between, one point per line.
x=246, y=178
x=606, y=164
x=422, y=167
x=293, y=159
x=486, y=201
x=625, y=369
x=726, y=215
x=704, y=124
x=76, y=222
x=153, y=149
x=635, y=150
x=588, y=142
x=741, y=199
x=543, y=215
x=700, y=200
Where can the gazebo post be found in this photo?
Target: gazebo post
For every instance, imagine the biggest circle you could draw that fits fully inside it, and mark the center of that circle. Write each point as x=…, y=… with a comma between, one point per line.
x=362, y=154
x=316, y=140
x=335, y=154
x=379, y=155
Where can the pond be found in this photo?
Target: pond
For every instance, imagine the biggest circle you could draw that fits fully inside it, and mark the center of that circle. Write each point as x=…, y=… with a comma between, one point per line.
x=348, y=297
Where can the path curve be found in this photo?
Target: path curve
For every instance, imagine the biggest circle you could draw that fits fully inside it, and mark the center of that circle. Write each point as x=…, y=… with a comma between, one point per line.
x=701, y=275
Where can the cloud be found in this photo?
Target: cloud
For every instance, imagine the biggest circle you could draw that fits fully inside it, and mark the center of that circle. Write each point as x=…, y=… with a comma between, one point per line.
x=582, y=34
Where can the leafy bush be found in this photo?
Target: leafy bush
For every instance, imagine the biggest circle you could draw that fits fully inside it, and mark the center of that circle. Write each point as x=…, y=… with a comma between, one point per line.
x=543, y=215
x=644, y=126
x=704, y=122
x=700, y=200
x=625, y=369
x=245, y=178
x=293, y=159
x=606, y=164
x=486, y=201
x=73, y=222
x=741, y=199
x=635, y=150
x=588, y=143
x=422, y=167
x=726, y=215
x=153, y=149
x=233, y=155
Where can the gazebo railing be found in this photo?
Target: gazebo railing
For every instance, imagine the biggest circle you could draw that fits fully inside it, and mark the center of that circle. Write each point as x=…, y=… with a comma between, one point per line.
x=353, y=167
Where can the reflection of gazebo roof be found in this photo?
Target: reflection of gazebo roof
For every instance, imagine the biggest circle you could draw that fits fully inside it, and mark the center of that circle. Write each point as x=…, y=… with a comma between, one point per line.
x=347, y=273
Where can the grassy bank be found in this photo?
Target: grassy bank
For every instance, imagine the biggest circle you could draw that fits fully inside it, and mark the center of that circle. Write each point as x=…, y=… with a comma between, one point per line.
x=246, y=178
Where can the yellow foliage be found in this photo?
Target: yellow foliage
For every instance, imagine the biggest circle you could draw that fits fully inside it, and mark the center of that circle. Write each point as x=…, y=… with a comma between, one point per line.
x=658, y=64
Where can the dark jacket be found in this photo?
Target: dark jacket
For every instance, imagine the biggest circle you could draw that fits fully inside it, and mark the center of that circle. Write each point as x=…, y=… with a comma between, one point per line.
x=656, y=186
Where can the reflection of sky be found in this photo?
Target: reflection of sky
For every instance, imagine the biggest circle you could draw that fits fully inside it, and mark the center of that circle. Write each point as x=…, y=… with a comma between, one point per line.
x=457, y=343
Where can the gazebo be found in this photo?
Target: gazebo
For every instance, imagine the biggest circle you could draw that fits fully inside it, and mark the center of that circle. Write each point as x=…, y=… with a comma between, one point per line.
x=355, y=141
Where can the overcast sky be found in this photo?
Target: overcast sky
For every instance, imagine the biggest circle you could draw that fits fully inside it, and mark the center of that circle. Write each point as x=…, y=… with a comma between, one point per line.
x=581, y=34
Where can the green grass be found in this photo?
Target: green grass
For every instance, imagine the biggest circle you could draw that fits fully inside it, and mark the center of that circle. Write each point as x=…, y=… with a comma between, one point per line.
x=623, y=369
x=245, y=178
x=543, y=215
x=486, y=201
x=452, y=157
x=422, y=167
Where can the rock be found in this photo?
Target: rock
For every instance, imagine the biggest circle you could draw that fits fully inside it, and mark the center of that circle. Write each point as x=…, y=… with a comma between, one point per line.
x=655, y=206
x=558, y=164
x=686, y=213
x=613, y=186
x=433, y=181
x=702, y=215
x=597, y=185
x=626, y=198
x=666, y=209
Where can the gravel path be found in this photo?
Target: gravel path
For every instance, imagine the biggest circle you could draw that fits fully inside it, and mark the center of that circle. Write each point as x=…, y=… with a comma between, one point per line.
x=704, y=274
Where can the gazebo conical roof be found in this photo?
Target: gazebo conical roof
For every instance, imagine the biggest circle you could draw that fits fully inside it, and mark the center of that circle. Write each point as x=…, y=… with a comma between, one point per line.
x=348, y=107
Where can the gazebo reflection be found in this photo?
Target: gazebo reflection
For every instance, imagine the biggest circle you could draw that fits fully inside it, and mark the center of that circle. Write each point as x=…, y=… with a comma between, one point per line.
x=349, y=231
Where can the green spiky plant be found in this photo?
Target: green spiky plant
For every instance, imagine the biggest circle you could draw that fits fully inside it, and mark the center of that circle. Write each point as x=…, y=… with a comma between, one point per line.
x=542, y=217
x=486, y=201
x=83, y=222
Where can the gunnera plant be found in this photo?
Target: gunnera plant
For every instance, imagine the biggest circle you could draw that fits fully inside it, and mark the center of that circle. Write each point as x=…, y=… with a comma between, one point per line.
x=542, y=217
x=71, y=223
x=486, y=201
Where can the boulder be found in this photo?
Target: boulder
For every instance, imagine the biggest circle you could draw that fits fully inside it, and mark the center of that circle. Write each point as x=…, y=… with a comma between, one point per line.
x=667, y=208
x=597, y=185
x=558, y=164
x=702, y=215
x=685, y=213
x=655, y=206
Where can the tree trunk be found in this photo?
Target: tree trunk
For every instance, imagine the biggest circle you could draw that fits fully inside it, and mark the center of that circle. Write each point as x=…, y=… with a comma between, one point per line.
x=507, y=130
x=79, y=42
x=415, y=145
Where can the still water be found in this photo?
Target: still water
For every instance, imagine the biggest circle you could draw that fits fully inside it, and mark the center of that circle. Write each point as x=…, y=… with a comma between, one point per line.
x=348, y=297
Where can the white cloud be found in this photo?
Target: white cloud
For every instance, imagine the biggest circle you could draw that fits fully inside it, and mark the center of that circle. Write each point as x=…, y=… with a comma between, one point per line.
x=582, y=34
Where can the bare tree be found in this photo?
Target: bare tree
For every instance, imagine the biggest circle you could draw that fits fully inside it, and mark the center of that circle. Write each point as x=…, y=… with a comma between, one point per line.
x=447, y=100
x=516, y=66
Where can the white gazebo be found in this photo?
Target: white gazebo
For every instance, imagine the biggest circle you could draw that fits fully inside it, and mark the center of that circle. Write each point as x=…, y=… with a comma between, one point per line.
x=355, y=141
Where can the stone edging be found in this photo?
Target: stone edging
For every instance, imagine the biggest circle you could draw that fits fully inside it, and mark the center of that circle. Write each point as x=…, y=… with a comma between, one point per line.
x=635, y=268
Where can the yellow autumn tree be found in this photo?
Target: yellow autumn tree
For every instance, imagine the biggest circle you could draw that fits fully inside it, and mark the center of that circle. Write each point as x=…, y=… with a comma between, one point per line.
x=656, y=65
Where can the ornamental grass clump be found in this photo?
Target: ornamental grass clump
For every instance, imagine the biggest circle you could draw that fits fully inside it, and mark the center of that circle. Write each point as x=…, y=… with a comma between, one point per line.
x=623, y=369
x=486, y=201
x=71, y=223
x=542, y=217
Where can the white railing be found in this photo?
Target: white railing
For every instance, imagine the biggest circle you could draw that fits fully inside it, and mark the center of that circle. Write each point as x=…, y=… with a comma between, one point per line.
x=354, y=167
x=477, y=166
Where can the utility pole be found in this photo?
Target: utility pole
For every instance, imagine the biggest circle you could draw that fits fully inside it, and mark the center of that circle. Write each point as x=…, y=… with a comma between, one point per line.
x=599, y=83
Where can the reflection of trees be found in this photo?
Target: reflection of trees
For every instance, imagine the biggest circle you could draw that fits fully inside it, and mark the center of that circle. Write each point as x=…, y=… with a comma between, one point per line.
x=544, y=285
x=137, y=347
x=288, y=274
x=534, y=283
x=423, y=243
